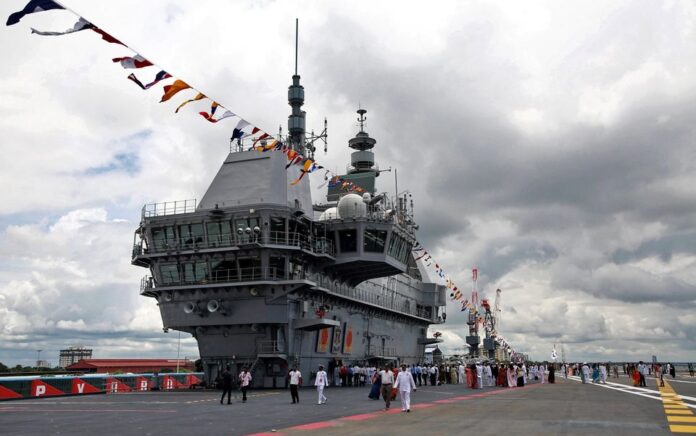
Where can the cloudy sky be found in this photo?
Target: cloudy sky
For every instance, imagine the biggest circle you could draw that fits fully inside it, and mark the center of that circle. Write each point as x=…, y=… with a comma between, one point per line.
x=550, y=144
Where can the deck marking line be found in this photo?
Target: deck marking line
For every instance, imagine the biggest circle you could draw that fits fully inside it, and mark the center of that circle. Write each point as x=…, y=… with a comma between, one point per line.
x=683, y=428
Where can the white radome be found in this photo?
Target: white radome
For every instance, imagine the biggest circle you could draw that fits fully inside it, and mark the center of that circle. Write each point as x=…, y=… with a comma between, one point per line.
x=352, y=206
x=329, y=214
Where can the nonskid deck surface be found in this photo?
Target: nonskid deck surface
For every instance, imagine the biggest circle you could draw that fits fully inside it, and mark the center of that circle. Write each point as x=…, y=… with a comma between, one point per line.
x=566, y=407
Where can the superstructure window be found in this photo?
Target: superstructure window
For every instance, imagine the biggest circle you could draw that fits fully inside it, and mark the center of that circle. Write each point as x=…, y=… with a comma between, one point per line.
x=277, y=267
x=195, y=272
x=223, y=271
x=375, y=240
x=163, y=238
x=191, y=235
x=169, y=273
x=250, y=268
x=278, y=230
x=219, y=233
x=348, y=240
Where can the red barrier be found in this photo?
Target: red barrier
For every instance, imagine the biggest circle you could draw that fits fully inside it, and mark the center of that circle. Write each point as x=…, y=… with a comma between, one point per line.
x=41, y=389
x=79, y=386
x=7, y=394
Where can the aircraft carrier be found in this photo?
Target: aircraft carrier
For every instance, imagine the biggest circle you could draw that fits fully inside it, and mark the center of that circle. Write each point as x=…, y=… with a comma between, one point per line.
x=264, y=278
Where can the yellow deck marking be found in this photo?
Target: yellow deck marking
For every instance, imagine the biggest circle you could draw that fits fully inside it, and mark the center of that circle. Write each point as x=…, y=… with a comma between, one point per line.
x=676, y=411
x=683, y=428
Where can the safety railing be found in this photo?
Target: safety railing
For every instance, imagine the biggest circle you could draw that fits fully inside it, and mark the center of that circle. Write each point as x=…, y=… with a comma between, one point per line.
x=232, y=275
x=169, y=208
x=268, y=347
x=315, y=245
x=376, y=350
x=377, y=296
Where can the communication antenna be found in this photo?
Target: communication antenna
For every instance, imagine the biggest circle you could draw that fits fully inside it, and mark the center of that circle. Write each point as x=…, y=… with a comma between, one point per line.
x=297, y=136
x=297, y=32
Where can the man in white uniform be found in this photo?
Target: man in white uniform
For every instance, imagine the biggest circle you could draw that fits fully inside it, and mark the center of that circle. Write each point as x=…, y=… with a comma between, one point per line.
x=405, y=384
x=462, y=374
x=603, y=373
x=320, y=382
x=489, y=375
x=479, y=375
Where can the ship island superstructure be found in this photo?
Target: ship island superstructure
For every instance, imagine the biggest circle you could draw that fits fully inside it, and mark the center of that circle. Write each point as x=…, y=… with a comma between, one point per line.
x=265, y=279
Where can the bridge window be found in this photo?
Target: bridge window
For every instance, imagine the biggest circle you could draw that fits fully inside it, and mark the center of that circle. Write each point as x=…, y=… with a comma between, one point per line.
x=277, y=267
x=250, y=268
x=164, y=238
x=375, y=240
x=191, y=235
x=223, y=271
x=219, y=233
x=348, y=240
x=169, y=273
x=195, y=272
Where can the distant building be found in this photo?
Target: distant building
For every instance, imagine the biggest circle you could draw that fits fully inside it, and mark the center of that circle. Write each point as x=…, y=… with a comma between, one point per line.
x=73, y=355
x=129, y=365
x=42, y=364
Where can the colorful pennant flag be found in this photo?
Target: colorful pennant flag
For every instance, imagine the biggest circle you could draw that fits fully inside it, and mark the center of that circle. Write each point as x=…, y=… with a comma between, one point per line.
x=264, y=136
x=210, y=118
x=81, y=24
x=136, y=61
x=200, y=96
x=108, y=38
x=171, y=90
x=32, y=7
x=238, y=132
x=158, y=78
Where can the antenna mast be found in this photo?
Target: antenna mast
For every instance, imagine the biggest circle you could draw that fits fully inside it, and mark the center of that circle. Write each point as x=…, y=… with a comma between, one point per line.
x=297, y=31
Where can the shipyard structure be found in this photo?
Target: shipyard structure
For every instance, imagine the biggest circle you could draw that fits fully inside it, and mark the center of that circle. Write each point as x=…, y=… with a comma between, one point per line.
x=265, y=279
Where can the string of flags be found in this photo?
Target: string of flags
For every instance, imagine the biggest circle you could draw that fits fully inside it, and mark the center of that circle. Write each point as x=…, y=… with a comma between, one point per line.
x=261, y=140
x=455, y=293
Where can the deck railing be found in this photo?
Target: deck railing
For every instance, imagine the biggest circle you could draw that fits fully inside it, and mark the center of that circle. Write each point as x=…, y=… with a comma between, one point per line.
x=317, y=245
x=232, y=275
x=169, y=208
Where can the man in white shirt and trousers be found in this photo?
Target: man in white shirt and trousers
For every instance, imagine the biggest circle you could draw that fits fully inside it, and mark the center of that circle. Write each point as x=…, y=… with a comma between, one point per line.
x=405, y=384
x=320, y=382
x=603, y=373
x=479, y=375
x=461, y=374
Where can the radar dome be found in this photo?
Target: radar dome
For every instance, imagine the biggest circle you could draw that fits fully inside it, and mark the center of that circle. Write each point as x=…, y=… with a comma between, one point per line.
x=352, y=206
x=329, y=214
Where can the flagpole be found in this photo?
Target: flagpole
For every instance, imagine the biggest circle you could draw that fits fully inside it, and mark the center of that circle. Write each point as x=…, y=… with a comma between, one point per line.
x=178, y=348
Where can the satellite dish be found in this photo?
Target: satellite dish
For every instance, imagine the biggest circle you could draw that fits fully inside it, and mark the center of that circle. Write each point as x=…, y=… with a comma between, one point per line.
x=189, y=307
x=253, y=292
x=257, y=230
x=168, y=296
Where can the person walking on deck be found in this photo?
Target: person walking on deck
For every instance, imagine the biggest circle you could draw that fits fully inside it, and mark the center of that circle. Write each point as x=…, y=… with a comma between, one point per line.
x=405, y=383
x=321, y=381
x=244, y=382
x=387, y=378
x=295, y=377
